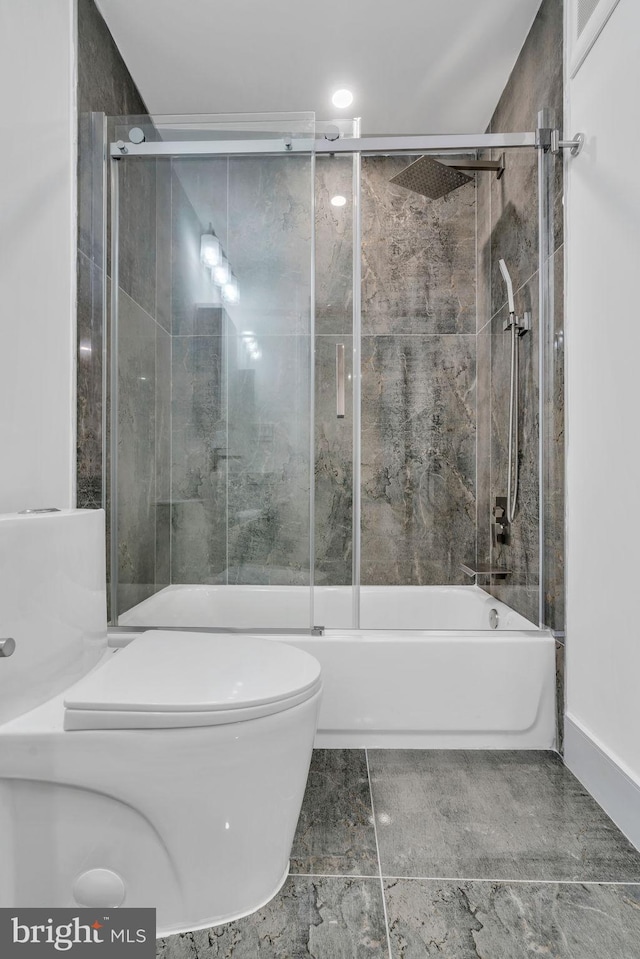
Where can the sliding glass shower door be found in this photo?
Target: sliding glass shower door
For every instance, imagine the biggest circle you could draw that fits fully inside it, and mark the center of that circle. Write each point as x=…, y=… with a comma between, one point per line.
x=212, y=300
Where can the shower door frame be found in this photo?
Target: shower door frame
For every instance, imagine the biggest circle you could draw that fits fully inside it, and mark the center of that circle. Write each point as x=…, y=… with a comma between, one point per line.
x=358, y=147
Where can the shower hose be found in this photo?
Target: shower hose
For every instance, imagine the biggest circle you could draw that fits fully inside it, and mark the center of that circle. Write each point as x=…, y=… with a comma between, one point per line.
x=512, y=476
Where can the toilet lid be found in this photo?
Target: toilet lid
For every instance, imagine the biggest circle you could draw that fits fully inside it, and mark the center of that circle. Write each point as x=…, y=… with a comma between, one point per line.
x=169, y=678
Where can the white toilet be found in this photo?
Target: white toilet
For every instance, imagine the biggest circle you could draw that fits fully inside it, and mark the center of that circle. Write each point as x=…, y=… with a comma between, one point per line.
x=168, y=773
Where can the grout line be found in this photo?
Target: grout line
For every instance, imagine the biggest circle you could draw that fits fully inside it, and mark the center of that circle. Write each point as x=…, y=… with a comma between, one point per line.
x=531, y=882
x=332, y=875
x=375, y=833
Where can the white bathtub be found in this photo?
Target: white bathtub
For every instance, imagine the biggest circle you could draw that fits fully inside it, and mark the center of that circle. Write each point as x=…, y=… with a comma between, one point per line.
x=395, y=682
x=289, y=607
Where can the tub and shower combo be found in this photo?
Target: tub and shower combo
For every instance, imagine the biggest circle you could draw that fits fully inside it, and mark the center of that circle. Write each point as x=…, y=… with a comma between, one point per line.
x=329, y=433
x=329, y=412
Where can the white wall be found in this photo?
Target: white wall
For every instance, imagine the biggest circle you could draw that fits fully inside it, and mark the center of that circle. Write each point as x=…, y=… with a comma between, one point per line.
x=37, y=253
x=603, y=418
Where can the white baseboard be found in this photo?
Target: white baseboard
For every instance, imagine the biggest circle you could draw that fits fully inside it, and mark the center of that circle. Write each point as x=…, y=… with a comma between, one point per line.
x=608, y=783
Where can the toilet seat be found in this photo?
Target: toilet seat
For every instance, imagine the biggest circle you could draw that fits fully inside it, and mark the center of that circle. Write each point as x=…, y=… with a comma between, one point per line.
x=173, y=678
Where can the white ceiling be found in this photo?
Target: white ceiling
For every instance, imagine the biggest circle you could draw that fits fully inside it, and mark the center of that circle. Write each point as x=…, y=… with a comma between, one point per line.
x=414, y=66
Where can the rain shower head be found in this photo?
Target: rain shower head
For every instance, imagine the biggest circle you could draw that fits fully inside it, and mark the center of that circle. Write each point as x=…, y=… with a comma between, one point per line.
x=434, y=179
x=430, y=177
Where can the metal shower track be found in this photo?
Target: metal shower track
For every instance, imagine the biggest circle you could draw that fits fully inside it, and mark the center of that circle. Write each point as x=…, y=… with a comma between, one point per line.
x=387, y=145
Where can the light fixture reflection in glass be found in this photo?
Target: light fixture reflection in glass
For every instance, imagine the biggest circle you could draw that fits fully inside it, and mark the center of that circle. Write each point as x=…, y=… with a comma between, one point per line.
x=210, y=250
x=221, y=272
x=230, y=291
x=342, y=98
x=338, y=200
x=251, y=346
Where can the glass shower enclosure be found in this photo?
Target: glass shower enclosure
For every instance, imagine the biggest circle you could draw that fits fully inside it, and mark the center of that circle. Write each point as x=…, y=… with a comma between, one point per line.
x=308, y=369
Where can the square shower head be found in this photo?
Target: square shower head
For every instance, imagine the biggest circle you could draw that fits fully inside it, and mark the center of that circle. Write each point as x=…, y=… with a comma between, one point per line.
x=430, y=177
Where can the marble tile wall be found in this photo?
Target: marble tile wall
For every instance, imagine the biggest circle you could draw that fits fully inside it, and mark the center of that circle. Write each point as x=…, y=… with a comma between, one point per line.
x=106, y=87
x=508, y=228
x=418, y=381
x=334, y=326
x=240, y=407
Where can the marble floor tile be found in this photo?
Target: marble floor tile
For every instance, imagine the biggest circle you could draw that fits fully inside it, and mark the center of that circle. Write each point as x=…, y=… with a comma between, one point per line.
x=327, y=918
x=335, y=830
x=490, y=920
x=502, y=815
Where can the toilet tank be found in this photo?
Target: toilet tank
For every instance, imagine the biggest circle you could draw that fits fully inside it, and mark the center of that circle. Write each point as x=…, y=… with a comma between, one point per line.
x=52, y=602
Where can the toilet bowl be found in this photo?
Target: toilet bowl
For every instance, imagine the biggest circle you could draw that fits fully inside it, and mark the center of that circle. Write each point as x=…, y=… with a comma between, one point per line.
x=169, y=773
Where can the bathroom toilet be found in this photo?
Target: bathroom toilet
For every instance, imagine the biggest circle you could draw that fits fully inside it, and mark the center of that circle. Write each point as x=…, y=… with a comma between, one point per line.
x=167, y=773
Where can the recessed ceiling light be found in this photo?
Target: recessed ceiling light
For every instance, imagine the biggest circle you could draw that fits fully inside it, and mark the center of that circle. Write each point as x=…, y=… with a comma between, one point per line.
x=338, y=200
x=342, y=98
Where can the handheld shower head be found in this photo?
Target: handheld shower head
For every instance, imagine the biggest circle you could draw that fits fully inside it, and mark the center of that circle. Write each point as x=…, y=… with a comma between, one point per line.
x=507, y=280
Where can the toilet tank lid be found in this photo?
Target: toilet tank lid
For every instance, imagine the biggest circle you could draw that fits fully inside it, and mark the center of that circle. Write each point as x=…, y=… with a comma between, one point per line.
x=171, y=671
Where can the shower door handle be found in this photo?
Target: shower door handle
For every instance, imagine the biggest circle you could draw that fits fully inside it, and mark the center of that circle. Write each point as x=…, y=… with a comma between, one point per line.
x=340, y=380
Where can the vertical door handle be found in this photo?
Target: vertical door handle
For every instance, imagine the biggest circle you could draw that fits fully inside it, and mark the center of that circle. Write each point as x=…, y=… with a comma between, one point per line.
x=340, y=380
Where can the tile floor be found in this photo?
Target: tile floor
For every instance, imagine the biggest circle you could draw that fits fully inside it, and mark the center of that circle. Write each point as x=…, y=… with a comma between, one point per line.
x=407, y=854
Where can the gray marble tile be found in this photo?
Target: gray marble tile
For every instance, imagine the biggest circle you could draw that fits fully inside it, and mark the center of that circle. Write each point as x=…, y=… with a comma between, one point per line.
x=535, y=82
x=324, y=918
x=553, y=479
x=514, y=224
x=485, y=496
x=137, y=231
x=334, y=245
x=492, y=815
x=333, y=465
x=136, y=451
x=191, y=282
x=418, y=458
x=90, y=184
x=89, y=382
x=484, y=183
x=536, y=79
x=335, y=831
x=521, y=590
x=163, y=243
x=269, y=465
x=418, y=255
x=104, y=82
x=199, y=452
x=204, y=182
x=483, y=920
x=163, y=458
x=270, y=223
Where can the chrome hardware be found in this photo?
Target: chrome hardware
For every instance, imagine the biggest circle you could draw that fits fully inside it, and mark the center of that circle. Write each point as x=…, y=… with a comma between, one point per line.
x=332, y=133
x=574, y=146
x=494, y=619
x=548, y=136
x=317, y=630
x=121, y=145
x=136, y=135
x=340, y=380
x=522, y=325
x=45, y=509
x=288, y=144
x=7, y=647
